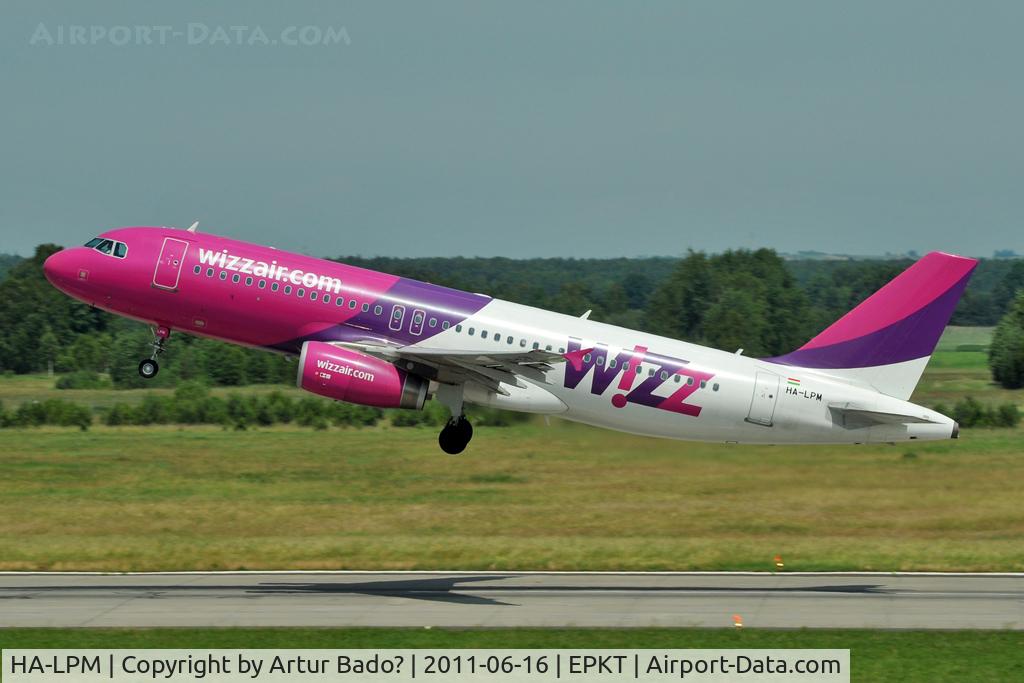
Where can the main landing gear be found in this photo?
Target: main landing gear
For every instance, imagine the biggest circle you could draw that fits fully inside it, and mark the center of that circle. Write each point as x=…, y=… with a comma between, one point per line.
x=148, y=367
x=456, y=434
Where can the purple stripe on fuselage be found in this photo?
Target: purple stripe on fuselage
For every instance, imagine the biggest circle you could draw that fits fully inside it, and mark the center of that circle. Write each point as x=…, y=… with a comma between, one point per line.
x=913, y=337
x=434, y=302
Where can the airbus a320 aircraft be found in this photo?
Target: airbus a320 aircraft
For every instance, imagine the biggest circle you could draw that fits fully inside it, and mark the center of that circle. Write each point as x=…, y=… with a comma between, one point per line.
x=382, y=340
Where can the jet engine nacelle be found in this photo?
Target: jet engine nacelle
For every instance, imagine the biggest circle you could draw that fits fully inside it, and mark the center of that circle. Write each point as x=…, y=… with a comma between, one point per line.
x=355, y=377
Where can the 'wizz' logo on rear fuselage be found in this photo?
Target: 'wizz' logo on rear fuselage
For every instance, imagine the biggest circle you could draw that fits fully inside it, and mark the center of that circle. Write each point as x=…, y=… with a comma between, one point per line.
x=636, y=365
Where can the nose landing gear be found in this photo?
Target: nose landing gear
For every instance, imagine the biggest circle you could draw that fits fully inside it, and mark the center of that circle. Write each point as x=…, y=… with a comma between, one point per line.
x=148, y=367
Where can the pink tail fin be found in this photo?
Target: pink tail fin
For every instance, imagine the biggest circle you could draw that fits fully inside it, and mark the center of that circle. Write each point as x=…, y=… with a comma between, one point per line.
x=900, y=322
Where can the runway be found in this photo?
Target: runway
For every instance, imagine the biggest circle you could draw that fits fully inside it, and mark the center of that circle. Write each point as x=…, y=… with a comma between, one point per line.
x=507, y=599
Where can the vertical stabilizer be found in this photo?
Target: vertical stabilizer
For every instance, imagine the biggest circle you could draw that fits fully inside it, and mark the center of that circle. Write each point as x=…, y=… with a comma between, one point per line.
x=886, y=341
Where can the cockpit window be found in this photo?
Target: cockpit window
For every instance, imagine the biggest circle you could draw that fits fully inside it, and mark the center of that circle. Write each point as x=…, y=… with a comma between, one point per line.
x=108, y=247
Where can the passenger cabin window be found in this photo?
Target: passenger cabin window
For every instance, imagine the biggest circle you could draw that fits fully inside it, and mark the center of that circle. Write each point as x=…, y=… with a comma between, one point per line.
x=416, y=326
x=397, y=316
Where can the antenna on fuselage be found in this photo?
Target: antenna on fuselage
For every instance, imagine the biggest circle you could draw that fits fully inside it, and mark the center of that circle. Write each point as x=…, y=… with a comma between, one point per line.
x=192, y=228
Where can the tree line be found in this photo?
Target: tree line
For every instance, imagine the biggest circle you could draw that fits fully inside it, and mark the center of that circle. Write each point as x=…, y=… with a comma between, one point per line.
x=751, y=299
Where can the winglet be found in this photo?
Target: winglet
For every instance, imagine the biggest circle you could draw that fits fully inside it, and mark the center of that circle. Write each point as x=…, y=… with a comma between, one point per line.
x=576, y=358
x=192, y=228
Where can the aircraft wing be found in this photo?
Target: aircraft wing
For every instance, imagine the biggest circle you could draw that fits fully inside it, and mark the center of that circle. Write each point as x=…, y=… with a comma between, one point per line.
x=848, y=415
x=490, y=369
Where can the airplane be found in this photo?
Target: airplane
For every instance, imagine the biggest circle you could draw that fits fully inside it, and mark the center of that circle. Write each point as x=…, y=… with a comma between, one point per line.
x=376, y=339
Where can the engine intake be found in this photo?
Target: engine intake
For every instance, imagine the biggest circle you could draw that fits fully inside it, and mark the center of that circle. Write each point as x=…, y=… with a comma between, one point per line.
x=355, y=377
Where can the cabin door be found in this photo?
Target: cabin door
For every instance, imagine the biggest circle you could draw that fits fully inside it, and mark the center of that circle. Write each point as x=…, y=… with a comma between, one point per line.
x=168, y=266
x=766, y=393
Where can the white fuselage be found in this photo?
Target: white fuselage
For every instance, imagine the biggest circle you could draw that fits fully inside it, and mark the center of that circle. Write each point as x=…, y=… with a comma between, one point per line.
x=789, y=405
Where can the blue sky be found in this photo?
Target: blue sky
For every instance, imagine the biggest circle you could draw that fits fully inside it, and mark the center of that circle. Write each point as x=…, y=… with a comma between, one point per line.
x=521, y=129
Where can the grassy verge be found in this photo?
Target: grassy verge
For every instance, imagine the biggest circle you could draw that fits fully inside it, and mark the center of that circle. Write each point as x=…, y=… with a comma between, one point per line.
x=908, y=656
x=524, y=497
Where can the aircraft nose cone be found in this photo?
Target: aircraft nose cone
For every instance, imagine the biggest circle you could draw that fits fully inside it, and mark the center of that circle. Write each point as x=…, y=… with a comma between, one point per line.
x=58, y=268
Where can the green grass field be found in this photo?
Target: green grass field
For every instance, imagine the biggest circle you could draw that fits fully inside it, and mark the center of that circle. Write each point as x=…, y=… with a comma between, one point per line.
x=875, y=656
x=525, y=497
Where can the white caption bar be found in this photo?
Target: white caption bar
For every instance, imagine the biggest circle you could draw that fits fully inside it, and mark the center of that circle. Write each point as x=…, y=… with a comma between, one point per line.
x=392, y=666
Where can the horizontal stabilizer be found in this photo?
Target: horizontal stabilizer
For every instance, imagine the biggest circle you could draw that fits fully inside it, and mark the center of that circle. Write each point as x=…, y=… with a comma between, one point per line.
x=851, y=417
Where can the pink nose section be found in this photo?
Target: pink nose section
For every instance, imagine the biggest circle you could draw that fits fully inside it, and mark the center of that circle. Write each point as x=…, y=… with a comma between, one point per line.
x=59, y=267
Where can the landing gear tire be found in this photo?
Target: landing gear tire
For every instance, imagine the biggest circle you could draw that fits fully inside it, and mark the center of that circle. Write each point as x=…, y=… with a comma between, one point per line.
x=148, y=368
x=455, y=436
